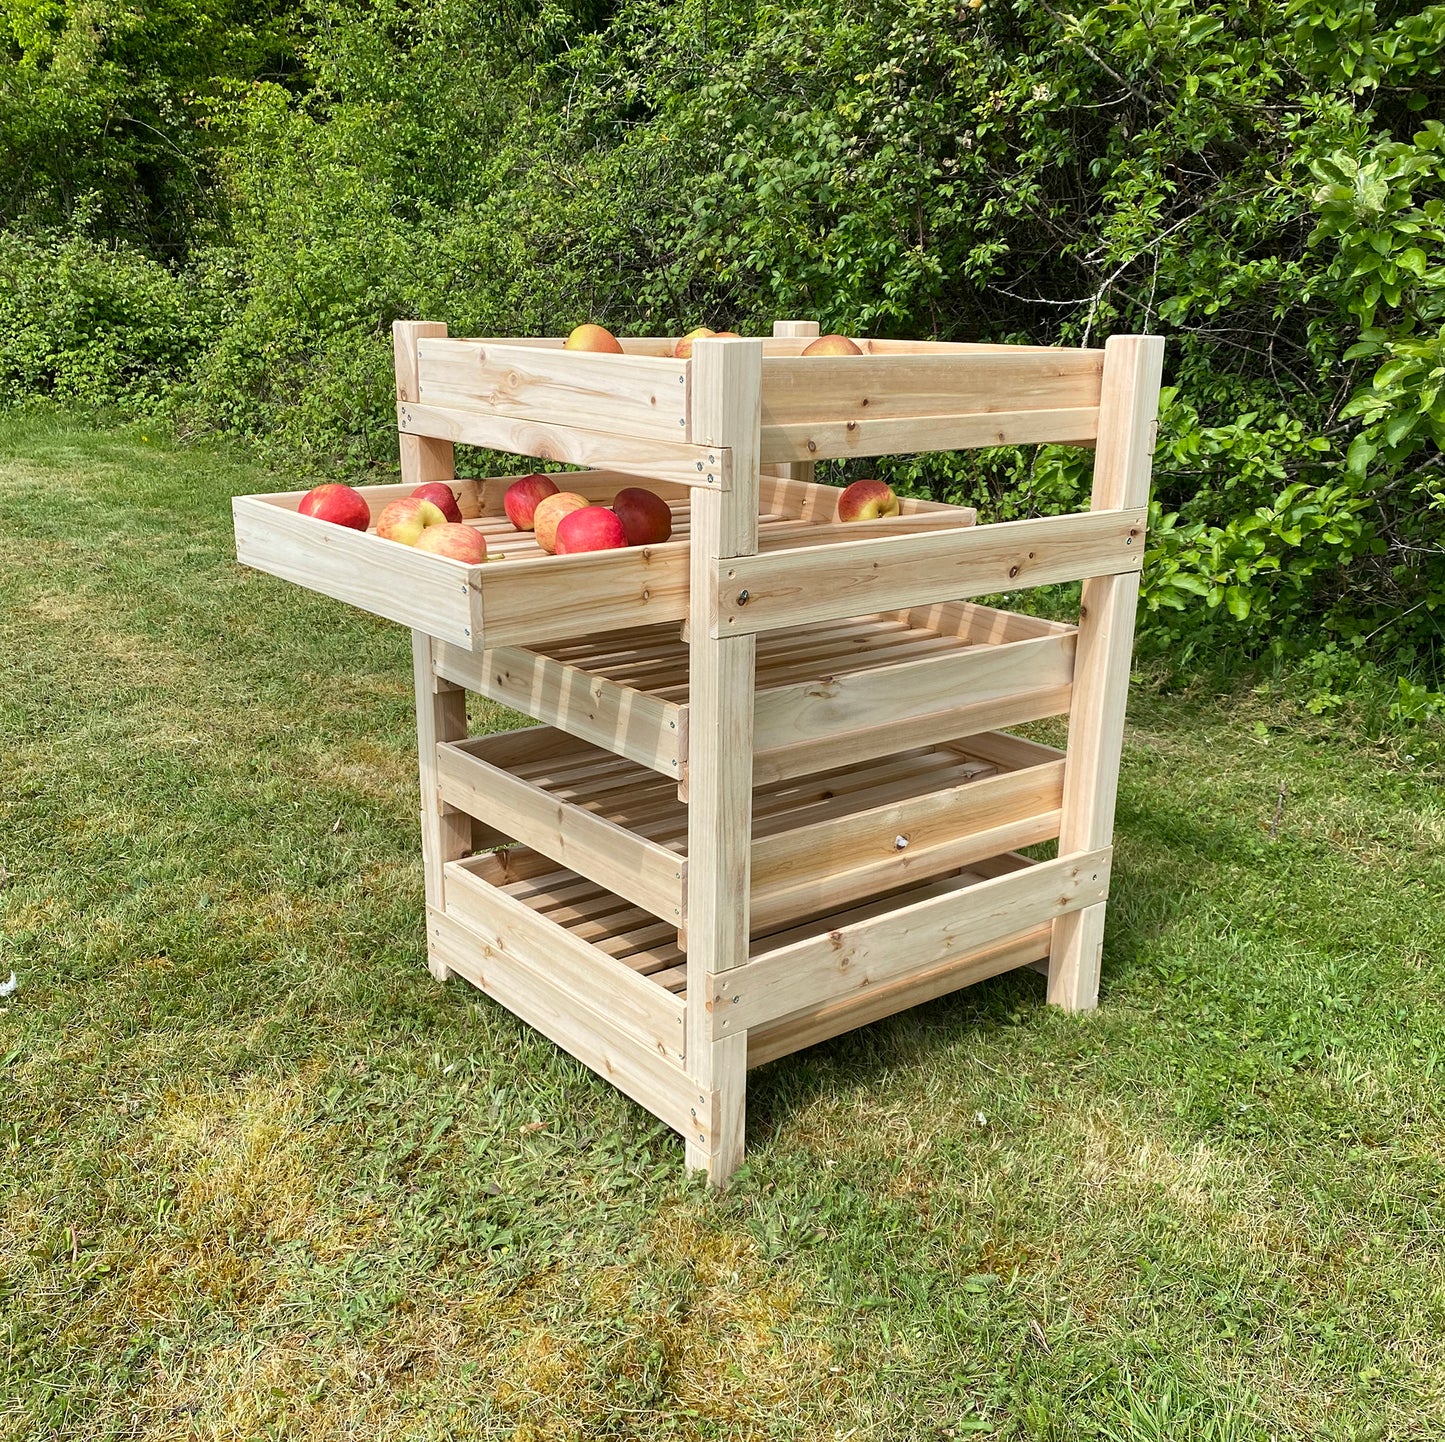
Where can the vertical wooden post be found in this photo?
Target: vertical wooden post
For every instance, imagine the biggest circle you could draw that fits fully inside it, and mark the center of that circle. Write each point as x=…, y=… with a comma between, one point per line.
x=446, y=834
x=441, y=708
x=725, y=405
x=1128, y=419
x=422, y=457
x=794, y=470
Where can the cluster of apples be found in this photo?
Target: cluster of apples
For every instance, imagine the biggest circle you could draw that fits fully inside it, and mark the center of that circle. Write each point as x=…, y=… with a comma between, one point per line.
x=599, y=338
x=429, y=519
x=566, y=524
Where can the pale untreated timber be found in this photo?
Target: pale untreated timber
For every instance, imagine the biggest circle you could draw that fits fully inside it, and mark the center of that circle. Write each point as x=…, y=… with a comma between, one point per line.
x=815, y=1024
x=651, y=1078
x=823, y=439
x=855, y=578
x=427, y=593
x=621, y=718
x=626, y=863
x=423, y=458
x=629, y=394
x=697, y=466
x=852, y=958
x=1128, y=412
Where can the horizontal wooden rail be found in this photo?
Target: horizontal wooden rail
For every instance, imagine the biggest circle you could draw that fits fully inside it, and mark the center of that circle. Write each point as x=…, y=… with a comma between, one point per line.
x=824, y=439
x=428, y=593
x=687, y=465
x=629, y=722
x=613, y=856
x=829, y=706
x=852, y=958
x=941, y=831
x=633, y=395
x=855, y=578
x=558, y=597
x=528, y=986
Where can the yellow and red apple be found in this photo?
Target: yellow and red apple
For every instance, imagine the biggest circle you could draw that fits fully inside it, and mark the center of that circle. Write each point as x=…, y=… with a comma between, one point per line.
x=442, y=497
x=683, y=349
x=867, y=501
x=592, y=337
x=832, y=345
x=524, y=496
x=549, y=513
x=406, y=519
x=645, y=516
x=589, y=528
x=338, y=504
x=461, y=543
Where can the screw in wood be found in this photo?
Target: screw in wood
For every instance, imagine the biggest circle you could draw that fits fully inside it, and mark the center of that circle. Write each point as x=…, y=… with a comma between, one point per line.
x=743, y=598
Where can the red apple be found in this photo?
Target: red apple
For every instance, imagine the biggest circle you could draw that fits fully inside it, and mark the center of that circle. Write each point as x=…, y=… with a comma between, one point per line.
x=406, y=519
x=645, y=516
x=443, y=498
x=832, y=345
x=523, y=497
x=866, y=501
x=461, y=543
x=594, y=528
x=338, y=504
x=549, y=513
x=726, y=335
x=683, y=349
x=592, y=337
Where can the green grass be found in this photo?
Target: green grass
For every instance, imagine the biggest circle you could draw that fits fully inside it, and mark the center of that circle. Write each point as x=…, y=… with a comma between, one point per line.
x=262, y=1178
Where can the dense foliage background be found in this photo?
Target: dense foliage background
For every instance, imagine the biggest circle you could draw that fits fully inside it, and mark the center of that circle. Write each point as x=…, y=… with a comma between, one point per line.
x=218, y=209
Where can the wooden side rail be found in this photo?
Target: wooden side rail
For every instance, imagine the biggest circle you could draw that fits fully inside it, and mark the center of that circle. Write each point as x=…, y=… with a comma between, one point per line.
x=852, y=958
x=854, y=578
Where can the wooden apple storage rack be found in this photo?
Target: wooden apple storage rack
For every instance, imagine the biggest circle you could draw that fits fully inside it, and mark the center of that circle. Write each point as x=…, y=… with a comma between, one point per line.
x=772, y=798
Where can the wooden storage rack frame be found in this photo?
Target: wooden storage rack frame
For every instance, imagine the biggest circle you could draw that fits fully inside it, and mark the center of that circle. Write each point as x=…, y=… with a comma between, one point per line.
x=771, y=798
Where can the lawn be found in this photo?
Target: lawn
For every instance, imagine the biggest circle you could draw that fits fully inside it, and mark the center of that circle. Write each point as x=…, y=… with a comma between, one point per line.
x=263, y=1178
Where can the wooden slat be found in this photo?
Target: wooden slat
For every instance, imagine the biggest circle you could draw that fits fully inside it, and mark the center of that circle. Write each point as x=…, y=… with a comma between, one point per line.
x=611, y=855
x=854, y=578
x=725, y=408
x=822, y=439
x=859, y=700
x=446, y=834
x=611, y=989
x=913, y=938
x=427, y=593
x=809, y=390
x=981, y=624
x=650, y=1077
x=808, y=869
x=1133, y=367
x=846, y=748
x=815, y=1024
x=698, y=466
x=630, y=722
x=555, y=597
x=423, y=458
x=631, y=394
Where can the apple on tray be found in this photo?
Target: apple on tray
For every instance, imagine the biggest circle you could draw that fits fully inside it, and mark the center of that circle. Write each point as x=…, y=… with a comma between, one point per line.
x=646, y=517
x=832, y=345
x=454, y=540
x=867, y=501
x=594, y=338
x=549, y=514
x=442, y=497
x=406, y=519
x=590, y=528
x=338, y=504
x=524, y=496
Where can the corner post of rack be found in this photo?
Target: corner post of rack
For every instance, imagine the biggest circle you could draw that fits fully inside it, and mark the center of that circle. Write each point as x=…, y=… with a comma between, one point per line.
x=725, y=410
x=799, y=330
x=423, y=458
x=1128, y=420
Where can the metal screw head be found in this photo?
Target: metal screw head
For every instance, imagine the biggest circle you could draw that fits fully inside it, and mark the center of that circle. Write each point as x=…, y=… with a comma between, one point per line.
x=743, y=598
x=900, y=842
